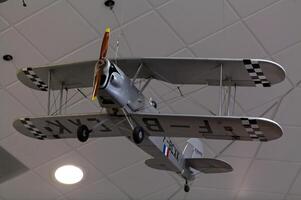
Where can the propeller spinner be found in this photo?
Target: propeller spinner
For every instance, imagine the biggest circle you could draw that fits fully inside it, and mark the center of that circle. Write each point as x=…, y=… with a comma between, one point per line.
x=100, y=63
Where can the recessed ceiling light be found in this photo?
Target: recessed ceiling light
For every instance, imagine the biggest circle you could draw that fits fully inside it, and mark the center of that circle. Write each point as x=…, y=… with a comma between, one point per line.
x=68, y=174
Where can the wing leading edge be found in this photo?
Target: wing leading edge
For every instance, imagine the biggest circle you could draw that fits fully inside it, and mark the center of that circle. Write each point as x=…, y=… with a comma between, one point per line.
x=210, y=127
x=58, y=127
x=239, y=72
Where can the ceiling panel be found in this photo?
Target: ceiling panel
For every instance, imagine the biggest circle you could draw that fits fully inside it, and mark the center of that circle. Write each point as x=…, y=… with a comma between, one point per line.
x=293, y=197
x=212, y=194
x=24, y=54
x=33, y=152
x=21, y=187
x=12, y=110
x=289, y=59
x=212, y=14
x=139, y=180
x=246, y=7
x=285, y=148
x=64, y=40
x=228, y=43
x=102, y=189
x=138, y=37
x=19, y=12
x=250, y=195
x=275, y=179
x=3, y=24
x=289, y=109
x=283, y=24
x=105, y=155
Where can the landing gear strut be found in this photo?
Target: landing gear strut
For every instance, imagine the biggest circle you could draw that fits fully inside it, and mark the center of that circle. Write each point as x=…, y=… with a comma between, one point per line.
x=138, y=134
x=83, y=133
x=186, y=186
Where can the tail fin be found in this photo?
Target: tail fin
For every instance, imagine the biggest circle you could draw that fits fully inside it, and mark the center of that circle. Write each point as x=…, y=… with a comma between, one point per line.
x=193, y=149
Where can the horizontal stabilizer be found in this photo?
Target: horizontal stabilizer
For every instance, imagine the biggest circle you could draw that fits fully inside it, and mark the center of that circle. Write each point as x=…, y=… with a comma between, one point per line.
x=210, y=127
x=239, y=72
x=160, y=164
x=208, y=165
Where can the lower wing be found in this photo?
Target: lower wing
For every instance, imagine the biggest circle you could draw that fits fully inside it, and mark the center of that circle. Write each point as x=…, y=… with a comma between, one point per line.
x=56, y=127
x=210, y=127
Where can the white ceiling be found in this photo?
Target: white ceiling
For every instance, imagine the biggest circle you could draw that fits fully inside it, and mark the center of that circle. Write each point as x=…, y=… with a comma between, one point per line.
x=59, y=31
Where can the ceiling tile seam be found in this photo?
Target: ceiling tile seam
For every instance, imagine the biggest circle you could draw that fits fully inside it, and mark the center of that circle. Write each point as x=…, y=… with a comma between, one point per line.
x=279, y=160
x=80, y=187
x=286, y=48
x=176, y=34
x=33, y=14
x=160, y=5
x=173, y=194
x=96, y=31
x=121, y=35
x=160, y=189
x=17, y=81
x=266, y=102
x=17, y=99
x=214, y=34
x=261, y=9
x=31, y=44
x=46, y=181
x=244, y=177
x=6, y=23
x=123, y=13
x=76, y=50
x=292, y=183
x=198, y=40
x=251, y=32
x=52, y=159
x=108, y=176
x=215, y=188
x=10, y=84
x=82, y=17
x=183, y=49
x=249, y=29
x=281, y=100
x=264, y=192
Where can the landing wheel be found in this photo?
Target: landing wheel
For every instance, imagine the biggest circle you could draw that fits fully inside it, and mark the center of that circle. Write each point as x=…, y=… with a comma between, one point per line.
x=186, y=186
x=83, y=133
x=138, y=134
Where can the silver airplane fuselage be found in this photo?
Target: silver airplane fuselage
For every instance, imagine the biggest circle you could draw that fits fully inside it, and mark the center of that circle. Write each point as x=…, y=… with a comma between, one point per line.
x=117, y=91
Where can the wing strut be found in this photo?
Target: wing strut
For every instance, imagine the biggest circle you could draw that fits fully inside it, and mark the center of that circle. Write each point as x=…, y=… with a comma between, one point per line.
x=49, y=91
x=220, y=91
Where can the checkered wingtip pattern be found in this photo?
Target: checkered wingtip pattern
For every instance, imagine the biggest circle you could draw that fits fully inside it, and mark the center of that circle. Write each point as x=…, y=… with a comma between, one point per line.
x=33, y=129
x=253, y=129
x=256, y=73
x=35, y=79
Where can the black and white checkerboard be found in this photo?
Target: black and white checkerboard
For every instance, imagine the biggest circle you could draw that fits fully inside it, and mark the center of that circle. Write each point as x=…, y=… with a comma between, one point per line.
x=35, y=79
x=253, y=129
x=256, y=73
x=33, y=129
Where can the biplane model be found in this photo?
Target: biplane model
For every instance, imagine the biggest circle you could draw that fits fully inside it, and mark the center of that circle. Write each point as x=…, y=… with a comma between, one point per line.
x=128, y=109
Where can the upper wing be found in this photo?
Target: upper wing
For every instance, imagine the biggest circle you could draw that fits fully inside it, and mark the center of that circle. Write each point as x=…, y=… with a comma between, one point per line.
x=210, y=127
x=66, y=126
x=239, y=72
